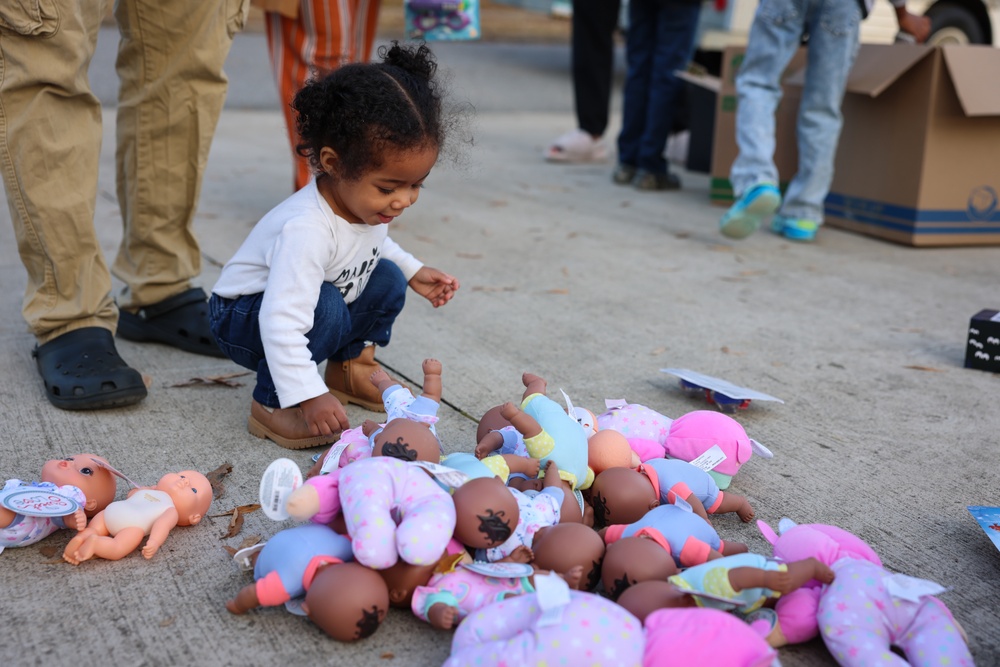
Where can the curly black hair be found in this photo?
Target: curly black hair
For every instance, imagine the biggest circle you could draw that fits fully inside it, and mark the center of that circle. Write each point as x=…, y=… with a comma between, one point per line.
x=361, y=110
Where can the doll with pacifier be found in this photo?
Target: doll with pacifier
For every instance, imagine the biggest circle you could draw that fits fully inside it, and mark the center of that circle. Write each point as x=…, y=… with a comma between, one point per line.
x=69, y=491
x=866, y=610
x=351, y=600
x=623, y=495
x=576, y=628
x=684, y=535
x=178, y=499
x=391, y=509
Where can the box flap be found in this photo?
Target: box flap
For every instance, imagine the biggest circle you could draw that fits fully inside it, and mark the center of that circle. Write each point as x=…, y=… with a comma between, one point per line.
x=707, y=81
x=975, y=71
x=879, y=65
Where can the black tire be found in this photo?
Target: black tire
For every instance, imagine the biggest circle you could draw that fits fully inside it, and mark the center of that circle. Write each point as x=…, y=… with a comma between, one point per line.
x=953, y=24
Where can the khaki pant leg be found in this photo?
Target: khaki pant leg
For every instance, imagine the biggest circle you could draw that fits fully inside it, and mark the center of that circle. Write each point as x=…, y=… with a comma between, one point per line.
x=172, y=89
x=50, y=143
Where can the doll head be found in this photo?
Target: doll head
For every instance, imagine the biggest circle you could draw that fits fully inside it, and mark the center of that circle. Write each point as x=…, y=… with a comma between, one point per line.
x=487, y=513
x=566, y=545
x=609, y=449
x=492, y=421
x=586, y=419
x=645, y=597
x=703, y=637
x=621, y=496
x=88, y=472
x=828, y=544
x=694, y=433
x=631, y=560
x=191, y=492
x=348, y=601
x=797, y=617
x=407, y=440
x=403, y=578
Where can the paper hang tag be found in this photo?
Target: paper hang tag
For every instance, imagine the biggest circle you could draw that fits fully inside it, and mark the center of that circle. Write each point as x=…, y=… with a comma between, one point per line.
x=615, y=403
x=500, y=570
x=444, y=474
x=570, y=410
x=38, y=503
x=332, y=461
x=277, y=483
x=911, y=588
x=709, y=459
x=682, y=504
x=553, y=598
x=114, y=471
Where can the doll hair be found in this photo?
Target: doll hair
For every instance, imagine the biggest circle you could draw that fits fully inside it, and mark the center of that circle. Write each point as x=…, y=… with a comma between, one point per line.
x=399, y=450
x=363, y=110
x=493, y=525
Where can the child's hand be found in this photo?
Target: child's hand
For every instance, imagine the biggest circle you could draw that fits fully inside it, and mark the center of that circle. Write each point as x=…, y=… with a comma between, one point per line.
x=325, y=415
x=436, y=286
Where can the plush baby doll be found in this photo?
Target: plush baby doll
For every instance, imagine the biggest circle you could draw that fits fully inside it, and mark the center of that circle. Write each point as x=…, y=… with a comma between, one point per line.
x=550, y=433
x=85, y=478
x=590, y=630
x=633, y=560
x=178, y=499
x=645, y=429
x=686, y=537
x=408, y=432
x=391, y=509
x=623, y=495
x=352, y=445
x=866, y=610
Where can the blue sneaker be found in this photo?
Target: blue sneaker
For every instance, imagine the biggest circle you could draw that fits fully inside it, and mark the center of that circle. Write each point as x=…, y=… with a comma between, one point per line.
x=794, y=229
x=744, y=217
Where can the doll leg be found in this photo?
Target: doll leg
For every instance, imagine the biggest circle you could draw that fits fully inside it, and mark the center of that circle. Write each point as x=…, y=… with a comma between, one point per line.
x=480, y=640
x=731, y=502
x=525, y=424
x=522, y=464
x=381, y=380
x=533, y=385
x=102, y=545
x=432, y=380
x=933, y=637
x=850, y=642
x=731, y=548
x=490, y=443
x=244, y=601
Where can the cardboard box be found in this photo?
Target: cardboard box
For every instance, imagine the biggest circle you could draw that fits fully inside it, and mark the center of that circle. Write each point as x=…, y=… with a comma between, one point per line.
x=919, y=155
x=701, y=94
x=724, y=148
x=983, y=348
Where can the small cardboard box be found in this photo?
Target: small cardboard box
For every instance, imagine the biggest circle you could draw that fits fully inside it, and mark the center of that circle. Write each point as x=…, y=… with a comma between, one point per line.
x=724, y=147
x=701, y=94
x=983, y=349
x=919, y=156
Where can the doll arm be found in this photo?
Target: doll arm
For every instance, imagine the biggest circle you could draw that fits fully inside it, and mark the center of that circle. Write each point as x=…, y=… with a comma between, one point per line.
x=77, y=520
x=158, y=533
x=317, y=499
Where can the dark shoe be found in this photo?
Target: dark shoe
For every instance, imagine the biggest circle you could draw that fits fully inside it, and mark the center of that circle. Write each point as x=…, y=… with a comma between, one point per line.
x=180, y=321
x=285, y=427
x=623, y=174
x=82, y=371
x=350, y=381
x=647, y=180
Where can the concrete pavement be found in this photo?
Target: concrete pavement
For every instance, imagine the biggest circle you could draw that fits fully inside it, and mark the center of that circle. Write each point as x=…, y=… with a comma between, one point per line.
x=591, y=285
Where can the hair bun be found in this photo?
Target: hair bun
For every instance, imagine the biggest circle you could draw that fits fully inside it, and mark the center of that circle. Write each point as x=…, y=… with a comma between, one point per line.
x=417, y=59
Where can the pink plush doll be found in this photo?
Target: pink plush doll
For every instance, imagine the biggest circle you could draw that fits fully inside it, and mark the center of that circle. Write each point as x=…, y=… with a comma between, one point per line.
x=353, y=445
x=591, y=630
x=866, y=610
x=651, y=435
x=391, y=509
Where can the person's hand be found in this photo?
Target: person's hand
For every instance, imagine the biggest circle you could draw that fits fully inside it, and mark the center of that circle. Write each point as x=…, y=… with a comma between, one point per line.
x=325, y=415
x=436, y=286
x=918, y=26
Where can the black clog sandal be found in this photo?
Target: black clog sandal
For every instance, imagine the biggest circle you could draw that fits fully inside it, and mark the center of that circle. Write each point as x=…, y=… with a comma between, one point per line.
x=82, y=371
x=180, y=321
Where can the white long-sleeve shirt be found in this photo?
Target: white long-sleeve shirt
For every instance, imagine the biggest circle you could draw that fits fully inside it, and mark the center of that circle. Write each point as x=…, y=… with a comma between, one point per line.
x=300, y=244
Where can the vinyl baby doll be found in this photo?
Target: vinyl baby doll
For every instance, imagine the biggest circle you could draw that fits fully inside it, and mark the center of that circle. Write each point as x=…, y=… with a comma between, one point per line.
x=500, y=446
x=178, y=499
x=623, y=495
x=86, y=478
x=408, y=432
x=391, y=509
x=633, y=560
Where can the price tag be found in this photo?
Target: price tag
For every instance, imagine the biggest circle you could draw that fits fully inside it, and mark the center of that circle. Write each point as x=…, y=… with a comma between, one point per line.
x=279, y=480
x=444, y=474
x=332, y=461
x=500, y=570
x=711, y=458
x=36, y=502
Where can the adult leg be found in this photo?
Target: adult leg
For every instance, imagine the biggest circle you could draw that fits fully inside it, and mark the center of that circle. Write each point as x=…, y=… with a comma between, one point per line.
x=324, y=35
x=172, y=89
x=50, y=143
x=640, y=47
x=593, y=57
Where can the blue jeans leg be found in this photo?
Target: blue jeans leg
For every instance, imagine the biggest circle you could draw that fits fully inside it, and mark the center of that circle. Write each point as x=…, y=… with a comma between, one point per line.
x=340, y=331
x=640, y=43
x=833, y=44
x=775, y=35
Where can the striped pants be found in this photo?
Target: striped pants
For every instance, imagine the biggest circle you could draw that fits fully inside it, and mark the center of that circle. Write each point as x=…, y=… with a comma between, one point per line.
x=325, y=35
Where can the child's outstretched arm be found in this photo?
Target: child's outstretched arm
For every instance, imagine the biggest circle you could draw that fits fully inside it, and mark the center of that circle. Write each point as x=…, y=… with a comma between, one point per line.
x=434, y=285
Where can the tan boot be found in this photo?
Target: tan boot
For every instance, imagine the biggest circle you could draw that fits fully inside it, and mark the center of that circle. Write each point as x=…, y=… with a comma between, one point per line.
x=350, y=381
x=286, y=427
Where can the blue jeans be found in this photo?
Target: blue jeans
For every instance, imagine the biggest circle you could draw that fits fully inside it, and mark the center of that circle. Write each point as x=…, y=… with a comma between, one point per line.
x=660, y=40
x=340, y=331
x=775, y=36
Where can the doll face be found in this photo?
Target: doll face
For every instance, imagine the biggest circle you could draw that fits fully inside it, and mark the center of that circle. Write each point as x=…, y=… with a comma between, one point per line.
x=566, y=545
x=402, y=578
x=191, y=493
x=85, y=472
x=621, y=496
x=407, y=440
x=631, y=560
x=487, y=513
x=492, y=421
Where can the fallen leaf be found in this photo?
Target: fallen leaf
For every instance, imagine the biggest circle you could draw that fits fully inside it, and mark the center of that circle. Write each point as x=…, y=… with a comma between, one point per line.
x=469, y=255
x=215, y=479
x=48, y=552
x=557, y=291
x=682, y=235
x=753, y=272
x=387, y=656
x=926, y=368
x=235, y=524
x=497, y=203
x=565, y=271
x=424, y=239
x=57, y=561
x=484, y=288
x=658, y=351
x=725, y=350
x=167, y=622
x=224, y=380
x=231, y=550
x=720, y=248
x=249, y=541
